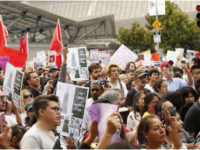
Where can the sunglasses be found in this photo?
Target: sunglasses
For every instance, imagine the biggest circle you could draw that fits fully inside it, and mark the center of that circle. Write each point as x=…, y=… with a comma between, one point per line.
x=168, y=65
x=27, y=96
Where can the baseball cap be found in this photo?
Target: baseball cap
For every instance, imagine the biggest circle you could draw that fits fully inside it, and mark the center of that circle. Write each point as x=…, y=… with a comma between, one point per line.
x=39, y=65
x=53, y=68
x=140, y=73
x=164, y=63
x=28, y=106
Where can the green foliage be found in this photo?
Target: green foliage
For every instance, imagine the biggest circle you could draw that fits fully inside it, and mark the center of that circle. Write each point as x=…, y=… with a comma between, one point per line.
x=177, y=31
x=136, y=38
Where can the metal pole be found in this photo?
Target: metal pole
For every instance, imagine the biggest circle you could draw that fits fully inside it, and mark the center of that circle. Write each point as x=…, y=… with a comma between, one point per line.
x=157, y=31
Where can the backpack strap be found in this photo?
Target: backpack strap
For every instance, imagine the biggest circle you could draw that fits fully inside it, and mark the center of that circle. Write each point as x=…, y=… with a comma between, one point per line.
x=120, y=85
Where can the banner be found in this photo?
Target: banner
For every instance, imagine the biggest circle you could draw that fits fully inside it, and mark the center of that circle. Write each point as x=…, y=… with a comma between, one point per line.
x=16, y=58
x=72, y=102
x=94, y=56
x=122, y=56
x=77, y=62
x=42, y=56
x=3, y=62
x=52, y=58
x=100, y=112
x=12, y=85
x=104, y=57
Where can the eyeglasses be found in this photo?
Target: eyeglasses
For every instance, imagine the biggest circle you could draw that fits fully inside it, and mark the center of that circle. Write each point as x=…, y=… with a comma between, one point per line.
x=4, y=97
x=27, y=96
x=56, y=109
x=168, y=65
x=171, y=108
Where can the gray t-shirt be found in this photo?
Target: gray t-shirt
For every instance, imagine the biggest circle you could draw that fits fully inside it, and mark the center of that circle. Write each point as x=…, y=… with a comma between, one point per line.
x=35, y=138
x=185, y=137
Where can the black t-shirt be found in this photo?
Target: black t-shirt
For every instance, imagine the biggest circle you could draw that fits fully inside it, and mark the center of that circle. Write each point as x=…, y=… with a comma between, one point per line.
x=34, y=92
x=130, y=96
x=191, y=120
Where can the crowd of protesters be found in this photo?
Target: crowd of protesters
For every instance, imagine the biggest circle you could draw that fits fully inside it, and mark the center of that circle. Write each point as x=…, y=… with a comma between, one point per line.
x=158, y=108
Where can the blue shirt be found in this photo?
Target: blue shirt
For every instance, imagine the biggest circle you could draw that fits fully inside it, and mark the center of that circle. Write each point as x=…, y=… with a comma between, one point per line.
x=176, y=83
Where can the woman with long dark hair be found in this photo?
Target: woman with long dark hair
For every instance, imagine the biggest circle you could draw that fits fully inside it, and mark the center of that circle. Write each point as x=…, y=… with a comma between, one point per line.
x=135, y=116
x=150, y=101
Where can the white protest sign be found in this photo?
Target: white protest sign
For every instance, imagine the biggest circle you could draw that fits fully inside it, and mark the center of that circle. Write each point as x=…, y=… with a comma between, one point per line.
x=42, y=56
x=148, y=63
x=35, y=60
x=180, y=52
x=104, y=57
x=13, y=84
x=122, y=56
x=190, y=54
x=160, y=7
x=72, y=103
x=94, y=56
x=147, y=57
x=171, y=55
x=52, y=58
x=77, y=62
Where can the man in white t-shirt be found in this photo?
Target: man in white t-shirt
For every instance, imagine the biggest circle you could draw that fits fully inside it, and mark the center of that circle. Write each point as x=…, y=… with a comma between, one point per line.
x=113, y=74
x=40, y=135
x=153, y=75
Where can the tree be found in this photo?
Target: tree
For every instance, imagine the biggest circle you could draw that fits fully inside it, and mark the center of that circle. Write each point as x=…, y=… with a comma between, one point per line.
x=177, y=30
x=136, y=38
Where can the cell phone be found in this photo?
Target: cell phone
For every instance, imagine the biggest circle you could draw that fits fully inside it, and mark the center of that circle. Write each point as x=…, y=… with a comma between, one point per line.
x=2, y=121
x=164, y=115
x=65, y=45
x=183, y=62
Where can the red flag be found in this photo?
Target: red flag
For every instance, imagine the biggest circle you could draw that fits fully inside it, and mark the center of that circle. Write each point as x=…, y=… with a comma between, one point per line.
x=21, y=44
x=25, y=44
x=56, y=45
x=2, y=34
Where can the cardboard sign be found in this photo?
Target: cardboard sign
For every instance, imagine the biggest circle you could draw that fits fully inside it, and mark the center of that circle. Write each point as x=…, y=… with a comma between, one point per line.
x=16, y=58
x=52, y=58
x=139, y=65
x=3, y=62
x=155, y=57
x=122, y=56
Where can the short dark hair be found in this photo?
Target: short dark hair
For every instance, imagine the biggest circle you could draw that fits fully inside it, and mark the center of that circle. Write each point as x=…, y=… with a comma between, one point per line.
x=94, y=66
x=177, y=75
x=177, y=69
x=195, y=67
x=41, y=102
x=196, y=60
x=18, y=131
x=130, y=70
x=153, y=71
x=28, y=76
x=158, y=85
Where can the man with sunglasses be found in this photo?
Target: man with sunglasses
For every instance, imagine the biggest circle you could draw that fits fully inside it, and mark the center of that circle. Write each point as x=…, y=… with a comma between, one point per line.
x=140, y=82
x=40, y=135
x=175, y=83
x=96, y=89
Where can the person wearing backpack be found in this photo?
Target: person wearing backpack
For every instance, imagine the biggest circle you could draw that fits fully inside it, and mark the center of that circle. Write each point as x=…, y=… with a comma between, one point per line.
x=113, y=74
